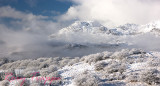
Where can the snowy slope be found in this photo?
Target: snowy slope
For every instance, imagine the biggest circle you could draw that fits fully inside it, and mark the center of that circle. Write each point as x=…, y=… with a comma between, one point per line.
x=127, y=67
x=134, y=70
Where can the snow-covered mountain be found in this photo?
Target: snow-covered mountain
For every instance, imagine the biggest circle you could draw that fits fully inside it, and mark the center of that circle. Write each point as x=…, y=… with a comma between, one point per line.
x=153, y=27
x=128, y=29
x=90, y=32
x=88, y=27
x=92, y=27
x=133, y=29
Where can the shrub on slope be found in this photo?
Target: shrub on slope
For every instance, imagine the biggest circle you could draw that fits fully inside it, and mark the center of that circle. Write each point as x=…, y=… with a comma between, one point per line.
x=87, y=80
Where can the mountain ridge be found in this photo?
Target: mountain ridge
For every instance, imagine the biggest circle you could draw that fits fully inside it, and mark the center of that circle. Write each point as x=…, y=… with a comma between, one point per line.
x=92, y=27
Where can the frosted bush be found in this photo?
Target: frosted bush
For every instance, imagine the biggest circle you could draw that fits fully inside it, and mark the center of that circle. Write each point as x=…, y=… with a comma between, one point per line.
x=44, y=72
x=100, y=65
x=120, y=54
x=73, y=61
x=9, y=73
x=51, y=61
x=53, y=68
x=96, y=57
x=151, y=77
x=87, y=80
x=30, y=69
x=10, y=77
x=15, y=65
x=34, y=63
x=43, y=65
x=54, y=74
x=107, y=55
x=139, y=60
x=2, y=75
x=12, y=65
x=136, y=51
x=30, y=74
x=45, y=62
x=42, y=59
x=154, y=63
x=64, y=61
x=133, y=78
x=35, y=84
x=40, y=81
x=24, y=64
x=93, y=58
x=115, y=76
x=5, y=83
x=115, y=66
x=3, y=61
x=19, y=76
x=55, y=83
x=23, y=82
x=6, y=66
x=57, y=59
x=54, y=79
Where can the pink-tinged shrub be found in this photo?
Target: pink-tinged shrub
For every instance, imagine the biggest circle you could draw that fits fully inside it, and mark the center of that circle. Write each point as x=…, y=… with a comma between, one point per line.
x=22, y=82
x=54, y=78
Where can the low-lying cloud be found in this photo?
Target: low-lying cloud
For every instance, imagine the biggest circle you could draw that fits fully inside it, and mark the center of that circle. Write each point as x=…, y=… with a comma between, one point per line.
x=25, y=34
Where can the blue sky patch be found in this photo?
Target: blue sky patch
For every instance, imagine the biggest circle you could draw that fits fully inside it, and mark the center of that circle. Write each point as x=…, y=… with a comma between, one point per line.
x=39, y=7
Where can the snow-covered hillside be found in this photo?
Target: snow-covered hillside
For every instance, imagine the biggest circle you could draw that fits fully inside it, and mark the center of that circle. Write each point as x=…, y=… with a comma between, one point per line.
x=128, y=67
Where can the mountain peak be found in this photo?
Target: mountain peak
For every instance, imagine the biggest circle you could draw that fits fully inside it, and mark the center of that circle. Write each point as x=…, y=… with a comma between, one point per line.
x=85, y=27
x=86, y=24
x=150, y=26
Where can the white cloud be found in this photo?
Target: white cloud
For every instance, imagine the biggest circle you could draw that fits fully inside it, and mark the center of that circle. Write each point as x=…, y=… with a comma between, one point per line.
x=9, y=12
x=114, y=12
x=25, y=34
x=28, y=21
